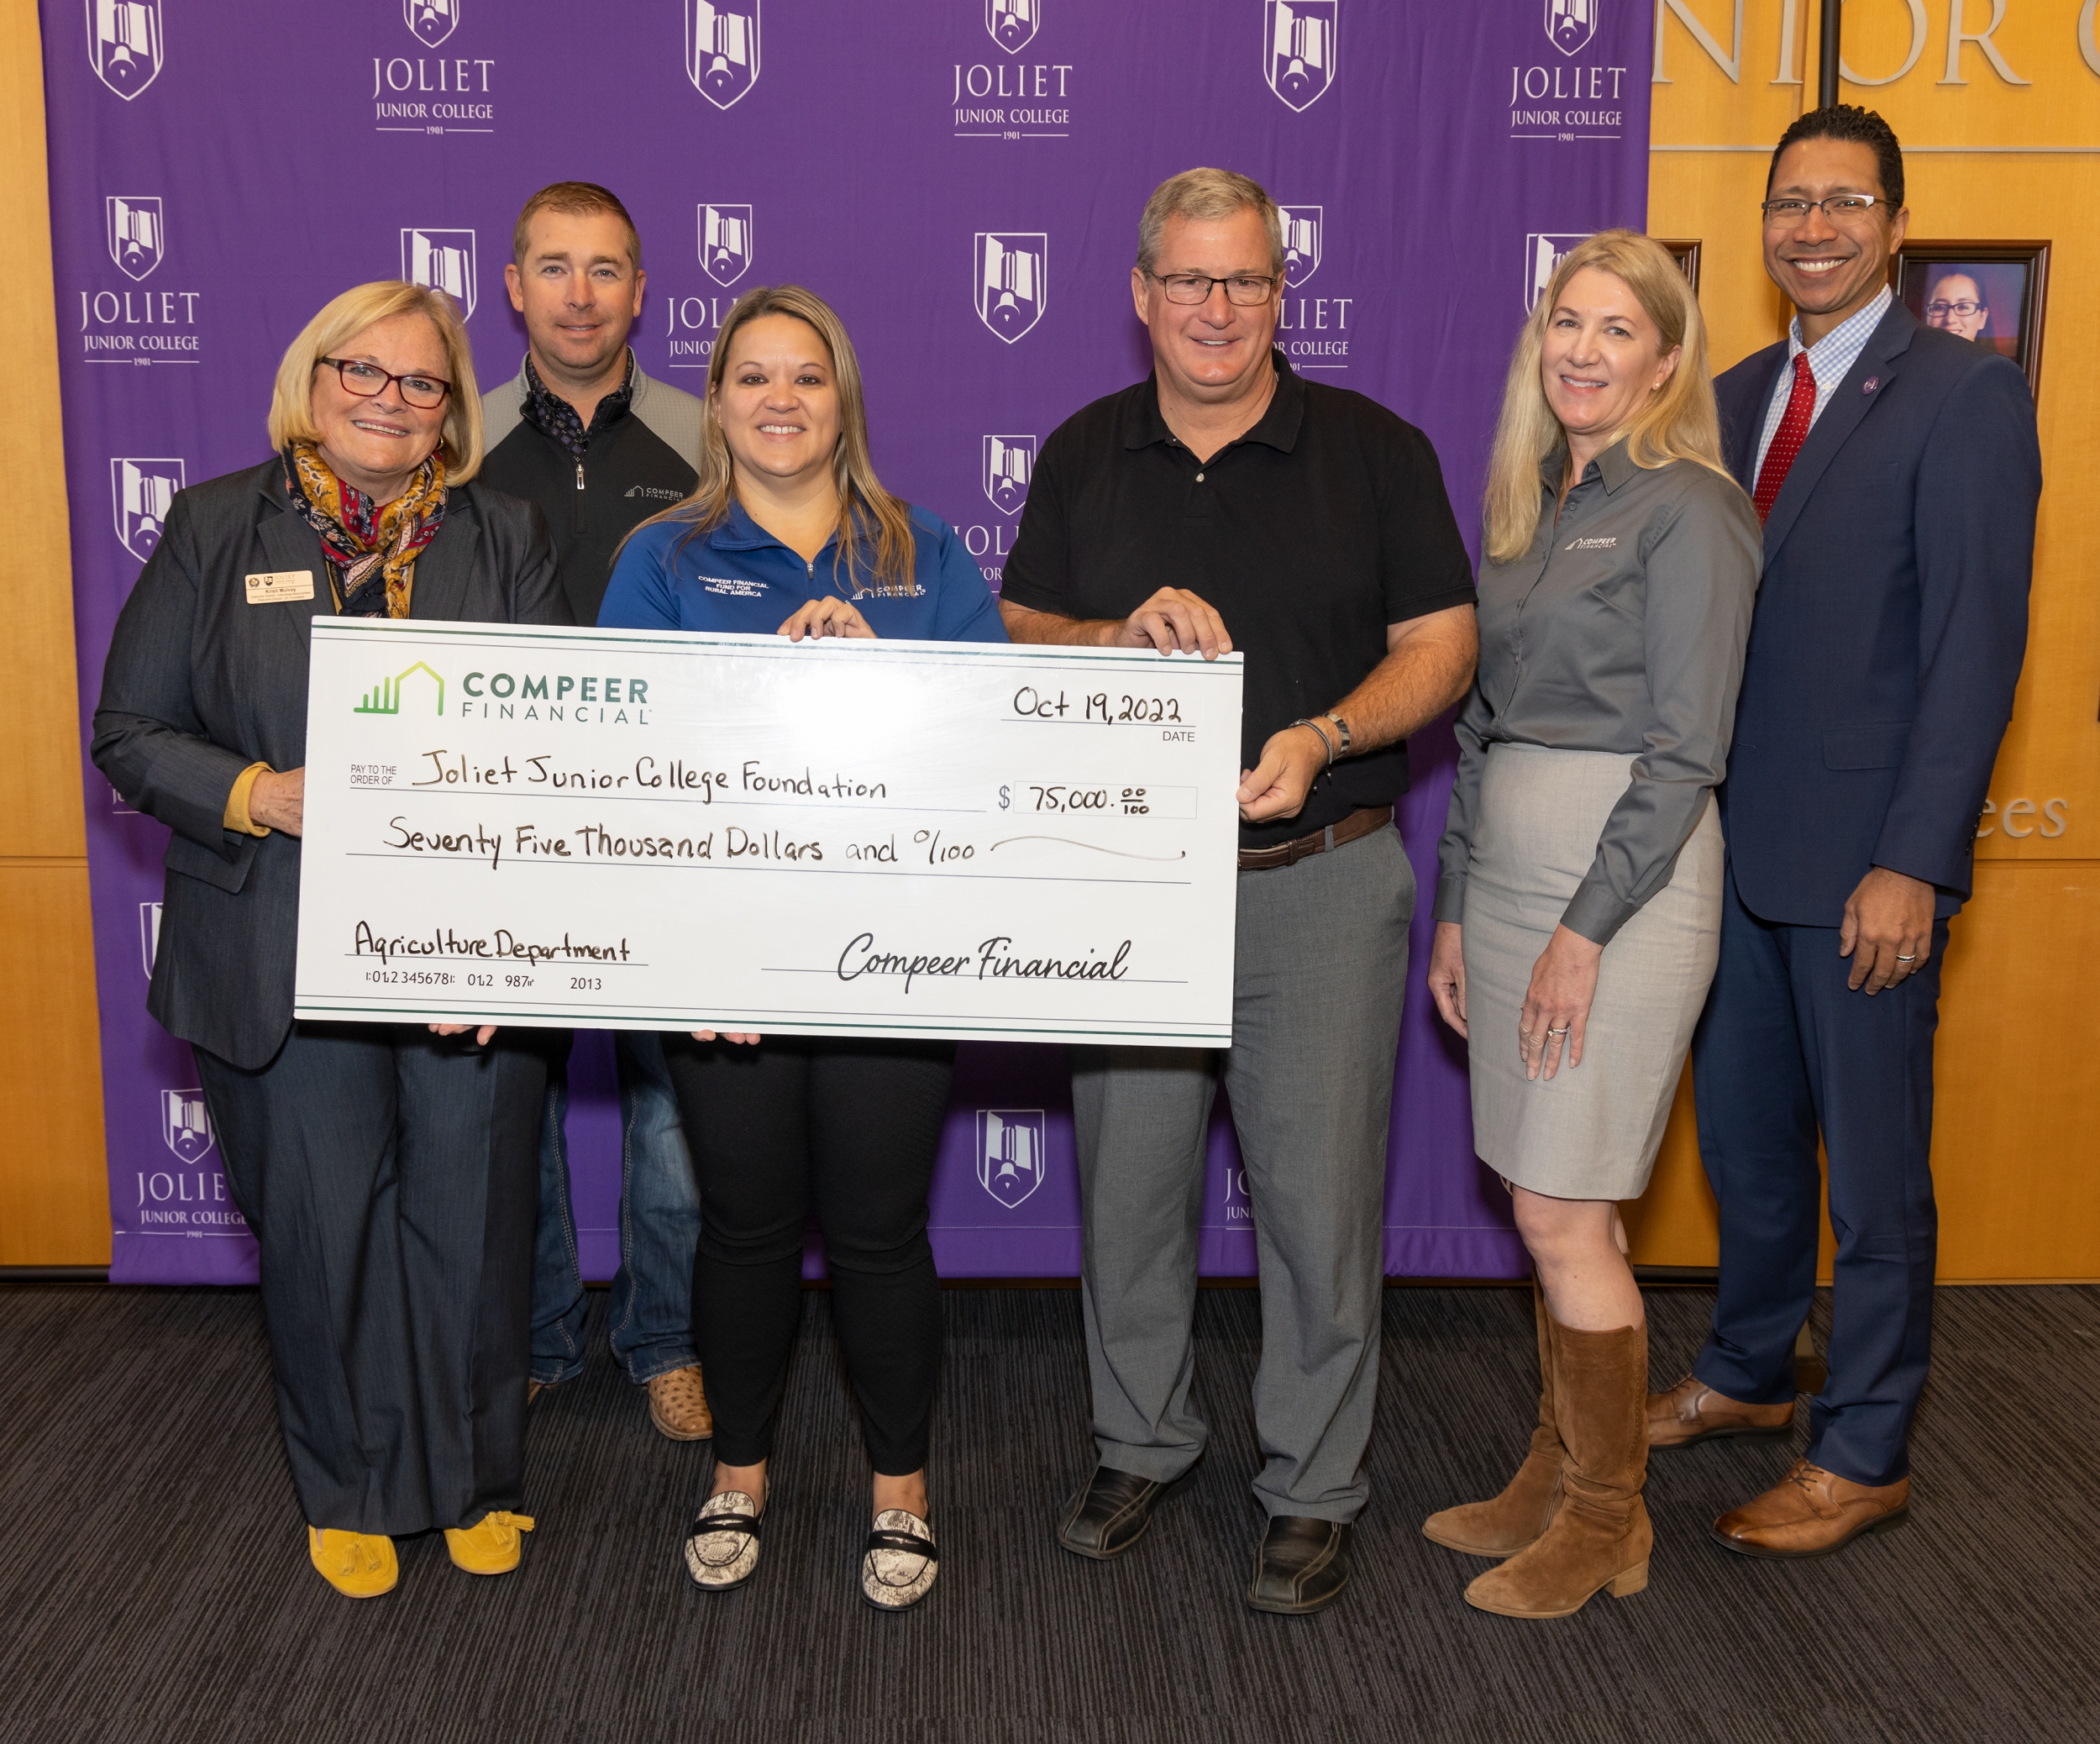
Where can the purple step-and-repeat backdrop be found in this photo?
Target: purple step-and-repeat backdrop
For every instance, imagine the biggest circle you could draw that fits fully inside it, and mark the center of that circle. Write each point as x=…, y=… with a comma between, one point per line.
x=962, y=179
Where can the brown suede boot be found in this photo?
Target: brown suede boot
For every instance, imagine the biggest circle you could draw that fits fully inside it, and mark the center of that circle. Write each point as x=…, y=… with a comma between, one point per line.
x=1599, y=1535
x=1515, y=1518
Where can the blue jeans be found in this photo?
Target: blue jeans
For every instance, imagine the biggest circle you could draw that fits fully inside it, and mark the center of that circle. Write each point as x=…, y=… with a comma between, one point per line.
x=652, y=1319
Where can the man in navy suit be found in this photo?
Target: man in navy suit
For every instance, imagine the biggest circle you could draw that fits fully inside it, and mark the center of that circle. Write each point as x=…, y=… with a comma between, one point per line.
x=1897, y=471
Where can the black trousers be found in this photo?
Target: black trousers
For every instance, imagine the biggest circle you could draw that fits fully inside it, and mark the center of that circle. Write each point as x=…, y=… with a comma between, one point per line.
x=848, y=1128
x=391, y=1177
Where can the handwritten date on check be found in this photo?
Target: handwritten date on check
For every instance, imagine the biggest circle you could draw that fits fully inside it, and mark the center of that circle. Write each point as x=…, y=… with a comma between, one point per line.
x=646, y=830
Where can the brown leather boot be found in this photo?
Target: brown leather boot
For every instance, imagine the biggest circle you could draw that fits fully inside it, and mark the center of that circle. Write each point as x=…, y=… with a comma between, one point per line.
x=1515, y=1518
x=1599, y=1535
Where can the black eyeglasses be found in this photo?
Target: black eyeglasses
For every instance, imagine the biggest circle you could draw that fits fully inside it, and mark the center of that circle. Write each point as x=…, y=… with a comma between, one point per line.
x=367, y=381
x=1249, y=290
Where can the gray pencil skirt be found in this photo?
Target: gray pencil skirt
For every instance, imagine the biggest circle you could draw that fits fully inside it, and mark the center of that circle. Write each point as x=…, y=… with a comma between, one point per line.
x=1592, y=1131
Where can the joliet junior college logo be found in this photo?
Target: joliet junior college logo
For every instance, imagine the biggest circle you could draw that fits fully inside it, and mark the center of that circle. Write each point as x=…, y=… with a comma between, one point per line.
x=1008, y=461
x=1010, y=1153
x=186, y=1125
x=1302, y=227
x=1298, y=53
x=385, y=697
x=431, y=21
x=441, y=260
x=1013, y=22
x=123, y=43
x=1542, y=255
x=140, y=492
x=721, y=49
x=1012, y=280
x=1571, y=23
x=725, y=243
x=136, y=238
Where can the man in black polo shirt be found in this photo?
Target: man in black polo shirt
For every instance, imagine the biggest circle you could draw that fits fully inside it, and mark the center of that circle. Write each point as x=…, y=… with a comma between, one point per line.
x=1226, y=502
x=600, y=447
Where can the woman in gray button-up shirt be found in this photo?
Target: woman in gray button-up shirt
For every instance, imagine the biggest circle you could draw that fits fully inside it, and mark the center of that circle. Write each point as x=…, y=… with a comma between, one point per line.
x=1578, y=901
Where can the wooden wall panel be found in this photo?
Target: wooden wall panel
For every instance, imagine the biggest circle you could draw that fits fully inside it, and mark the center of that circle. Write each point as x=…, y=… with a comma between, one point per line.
x=53, y=1198
x=54, y=1189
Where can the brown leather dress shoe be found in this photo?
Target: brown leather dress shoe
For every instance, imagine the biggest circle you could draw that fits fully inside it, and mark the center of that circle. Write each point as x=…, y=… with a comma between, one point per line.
x=1810, y=1513
x=1692, y=1411
x=678, y=1406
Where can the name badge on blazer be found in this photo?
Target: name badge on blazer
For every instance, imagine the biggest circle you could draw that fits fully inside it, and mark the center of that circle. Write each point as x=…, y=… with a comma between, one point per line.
x=280, y=585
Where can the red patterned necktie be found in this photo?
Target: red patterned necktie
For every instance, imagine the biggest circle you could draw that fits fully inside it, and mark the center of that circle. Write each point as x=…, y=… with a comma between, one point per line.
x=1787, y=440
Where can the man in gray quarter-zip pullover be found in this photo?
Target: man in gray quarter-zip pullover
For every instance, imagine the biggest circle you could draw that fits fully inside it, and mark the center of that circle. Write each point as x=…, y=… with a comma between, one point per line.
x=600, y=447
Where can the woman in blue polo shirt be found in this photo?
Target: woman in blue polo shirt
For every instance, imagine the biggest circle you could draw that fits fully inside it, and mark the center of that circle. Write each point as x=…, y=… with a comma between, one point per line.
x=789, y=531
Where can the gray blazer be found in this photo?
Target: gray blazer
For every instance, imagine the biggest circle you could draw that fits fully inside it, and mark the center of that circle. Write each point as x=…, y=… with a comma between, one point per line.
x=200, y=684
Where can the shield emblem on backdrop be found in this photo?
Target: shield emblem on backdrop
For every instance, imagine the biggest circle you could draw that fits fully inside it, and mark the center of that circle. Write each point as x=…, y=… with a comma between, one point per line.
x=150, y=933
x=725, y=243
x=140, y=493
x=442, y=260
x=430, y=22
x=1013, y=287
x=137, y=237
x=1008, y=461
x=184, y=1125
x=1010, y=1153
x=1571, y=23
x=722, y=48
x=1542, y=255
x=1297, y=57
x=123, y=43
x=1013, y=22
x=1302, y=228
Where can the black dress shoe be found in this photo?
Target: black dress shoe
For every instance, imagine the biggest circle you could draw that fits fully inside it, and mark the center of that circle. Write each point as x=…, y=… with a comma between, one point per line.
x=1111, y=1512
x=1300, y=1566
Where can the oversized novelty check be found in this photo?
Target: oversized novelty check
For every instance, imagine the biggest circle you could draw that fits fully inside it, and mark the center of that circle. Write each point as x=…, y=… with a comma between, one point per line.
x=643, y=830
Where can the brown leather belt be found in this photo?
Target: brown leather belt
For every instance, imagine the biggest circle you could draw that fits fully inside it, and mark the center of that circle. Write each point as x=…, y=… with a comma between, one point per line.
x=1355, y=825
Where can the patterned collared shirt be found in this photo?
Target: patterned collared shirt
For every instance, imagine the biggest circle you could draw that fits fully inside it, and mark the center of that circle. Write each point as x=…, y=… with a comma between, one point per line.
x=550, y=414
x=1831, y=357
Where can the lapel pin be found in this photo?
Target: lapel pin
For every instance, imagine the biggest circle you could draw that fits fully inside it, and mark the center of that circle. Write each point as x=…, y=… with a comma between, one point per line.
x=1868, y=385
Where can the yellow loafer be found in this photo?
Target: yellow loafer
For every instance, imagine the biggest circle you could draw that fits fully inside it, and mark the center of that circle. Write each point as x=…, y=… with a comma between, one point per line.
x=358, y=1565
x=492, y=1545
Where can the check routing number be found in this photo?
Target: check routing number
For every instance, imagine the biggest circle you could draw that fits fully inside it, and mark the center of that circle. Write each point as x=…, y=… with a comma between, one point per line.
x=643, y=830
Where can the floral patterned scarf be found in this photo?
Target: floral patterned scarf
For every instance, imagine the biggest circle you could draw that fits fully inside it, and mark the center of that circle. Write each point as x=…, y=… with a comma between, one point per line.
x=371, y=550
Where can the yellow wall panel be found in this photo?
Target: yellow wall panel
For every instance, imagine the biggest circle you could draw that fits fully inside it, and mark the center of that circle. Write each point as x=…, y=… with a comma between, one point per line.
x=54, y=1191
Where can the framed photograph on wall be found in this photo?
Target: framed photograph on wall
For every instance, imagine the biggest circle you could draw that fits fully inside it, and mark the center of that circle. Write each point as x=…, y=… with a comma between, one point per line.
x=1993, y=293
x=1687, y=257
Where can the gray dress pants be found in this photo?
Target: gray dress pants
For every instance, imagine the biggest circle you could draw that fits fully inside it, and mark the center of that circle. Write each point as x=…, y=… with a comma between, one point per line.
x=1320, y=975
x=390, y=1178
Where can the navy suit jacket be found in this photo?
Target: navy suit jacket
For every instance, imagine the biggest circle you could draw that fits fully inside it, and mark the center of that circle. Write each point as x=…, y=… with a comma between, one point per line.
x=1890, y=624
x=200, y=684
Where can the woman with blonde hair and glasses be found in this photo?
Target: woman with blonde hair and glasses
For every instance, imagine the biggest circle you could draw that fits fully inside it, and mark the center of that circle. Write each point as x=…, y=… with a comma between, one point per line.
x=789, y=531
x=389, y=1174
x=1579, y=898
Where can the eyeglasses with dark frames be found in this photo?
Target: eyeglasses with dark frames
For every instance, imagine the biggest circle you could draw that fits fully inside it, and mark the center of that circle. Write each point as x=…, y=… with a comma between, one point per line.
x=1249, y=290
x=367, y=381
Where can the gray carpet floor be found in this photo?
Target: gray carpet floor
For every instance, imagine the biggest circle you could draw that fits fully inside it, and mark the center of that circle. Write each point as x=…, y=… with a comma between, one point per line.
x=154, y=1584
